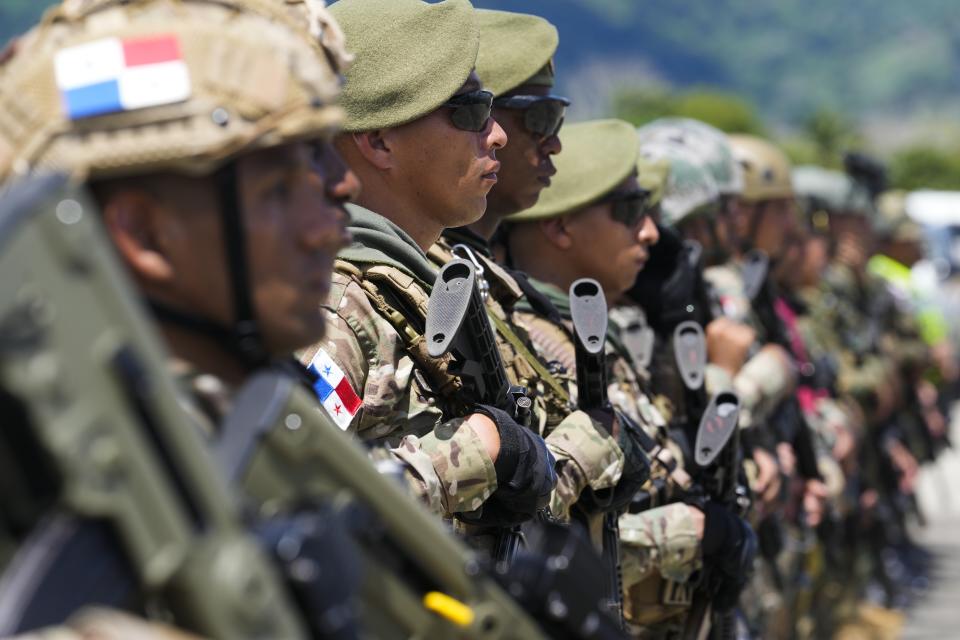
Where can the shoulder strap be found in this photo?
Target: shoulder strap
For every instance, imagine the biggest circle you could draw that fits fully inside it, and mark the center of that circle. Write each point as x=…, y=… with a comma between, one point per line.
x=388, y=289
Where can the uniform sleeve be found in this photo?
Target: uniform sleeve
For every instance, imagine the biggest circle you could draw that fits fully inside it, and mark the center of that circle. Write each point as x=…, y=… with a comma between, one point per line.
x=447, y=464
x=762, y=384
x=587, y=456
x=663, y=539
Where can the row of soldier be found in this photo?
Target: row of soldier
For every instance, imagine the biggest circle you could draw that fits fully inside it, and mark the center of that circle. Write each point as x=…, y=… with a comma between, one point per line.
x=284, y=208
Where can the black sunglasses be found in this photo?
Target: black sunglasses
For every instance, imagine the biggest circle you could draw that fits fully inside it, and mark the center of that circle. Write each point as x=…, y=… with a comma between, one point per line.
x=543, y=115
x=630, y=208
x=471, y=111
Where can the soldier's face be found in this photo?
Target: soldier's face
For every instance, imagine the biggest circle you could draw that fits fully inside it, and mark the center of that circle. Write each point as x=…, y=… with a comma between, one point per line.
x=608, y=250
x=293, y=201
x=447, y=172
x=526, y=161
x=168, y=230
x=774, y=221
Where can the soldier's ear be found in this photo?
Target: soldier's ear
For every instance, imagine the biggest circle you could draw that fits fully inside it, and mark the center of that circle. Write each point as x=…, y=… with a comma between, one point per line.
x=375, y=147
x=556, y=232
x=131, y=217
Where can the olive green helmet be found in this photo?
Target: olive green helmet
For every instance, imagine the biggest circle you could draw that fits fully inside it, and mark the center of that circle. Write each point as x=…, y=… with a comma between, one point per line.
x=706, y=142
x=690, y=188
x=104, y=88
x=766, y=169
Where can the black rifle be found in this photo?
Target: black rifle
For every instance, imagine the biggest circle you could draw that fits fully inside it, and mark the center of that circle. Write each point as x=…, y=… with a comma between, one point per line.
x=457, y=324
x=588, y=308
x=717, y=461
x=557, y=576
x=134, y=512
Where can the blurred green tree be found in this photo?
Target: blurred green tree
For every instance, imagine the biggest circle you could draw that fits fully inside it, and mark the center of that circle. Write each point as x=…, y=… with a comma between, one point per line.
x=726, y=111
x=925, y=168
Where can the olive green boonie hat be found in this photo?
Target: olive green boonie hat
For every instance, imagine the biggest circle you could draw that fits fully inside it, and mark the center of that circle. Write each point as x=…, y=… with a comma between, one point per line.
x=596, y=157
x=410, y=57
x=652, y=176
x=515, y=49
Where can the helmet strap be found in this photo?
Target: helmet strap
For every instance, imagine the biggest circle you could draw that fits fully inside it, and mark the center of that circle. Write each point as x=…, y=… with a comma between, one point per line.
x=243, y=338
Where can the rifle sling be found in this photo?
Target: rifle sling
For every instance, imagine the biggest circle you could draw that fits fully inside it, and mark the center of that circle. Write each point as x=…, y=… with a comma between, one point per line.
x=510, y=336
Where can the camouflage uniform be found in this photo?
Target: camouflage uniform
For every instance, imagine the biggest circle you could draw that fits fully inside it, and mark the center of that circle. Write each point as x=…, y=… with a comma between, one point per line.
x=383, y=357
x=586, y=455
x=763, y=382
x=662, y=539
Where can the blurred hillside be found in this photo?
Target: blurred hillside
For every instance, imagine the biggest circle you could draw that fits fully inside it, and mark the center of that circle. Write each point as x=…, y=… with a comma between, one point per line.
x=820, y=75
x=873, y=60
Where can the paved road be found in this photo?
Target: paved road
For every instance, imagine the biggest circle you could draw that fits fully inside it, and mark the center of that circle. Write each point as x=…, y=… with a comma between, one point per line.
x=936, y=616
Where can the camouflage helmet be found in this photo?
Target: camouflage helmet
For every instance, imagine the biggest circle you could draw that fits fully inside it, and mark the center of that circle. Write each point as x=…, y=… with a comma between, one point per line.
x=766, y=169
x=104, y=88
x=831, y=191
x=690, y=187
x=708, y=143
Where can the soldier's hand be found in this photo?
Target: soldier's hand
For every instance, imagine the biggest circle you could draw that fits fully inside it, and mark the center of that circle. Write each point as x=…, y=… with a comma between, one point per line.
x=728, y=343
x=814, y=501
x=767, y=485
x=525, y=471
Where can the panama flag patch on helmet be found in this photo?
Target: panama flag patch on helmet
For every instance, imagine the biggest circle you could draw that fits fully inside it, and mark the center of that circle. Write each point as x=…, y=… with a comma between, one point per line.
x=334, y=390
x=114, y=74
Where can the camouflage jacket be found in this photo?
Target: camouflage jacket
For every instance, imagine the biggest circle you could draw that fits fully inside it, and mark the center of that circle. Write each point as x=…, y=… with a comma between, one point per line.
x=657, y=539
x=763, y=382
x=374, y=352
x=839, y=322
x=586, y=455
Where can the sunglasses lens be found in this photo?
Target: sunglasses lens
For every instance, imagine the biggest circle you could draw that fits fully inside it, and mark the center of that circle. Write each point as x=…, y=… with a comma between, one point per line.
x=545, y=117
x=629, y=211
x=471, y=117
x=471, y=111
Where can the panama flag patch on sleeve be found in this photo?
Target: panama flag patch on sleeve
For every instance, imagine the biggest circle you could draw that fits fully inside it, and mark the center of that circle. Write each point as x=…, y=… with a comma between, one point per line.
x=114, y=74
x=334, y=390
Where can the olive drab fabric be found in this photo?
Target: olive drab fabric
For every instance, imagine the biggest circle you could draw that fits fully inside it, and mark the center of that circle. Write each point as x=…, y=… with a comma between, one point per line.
x=515, y=49
x=410, y=58
x=597, y=156
x=243, y=78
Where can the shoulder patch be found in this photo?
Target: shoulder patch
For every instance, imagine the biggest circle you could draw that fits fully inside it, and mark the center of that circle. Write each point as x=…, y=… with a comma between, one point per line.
x=334, y=390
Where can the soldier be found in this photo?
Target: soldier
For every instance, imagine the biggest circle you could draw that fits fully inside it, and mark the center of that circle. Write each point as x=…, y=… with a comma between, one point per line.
x=419, y=134
x=224, y=196
x=194, y=127
x=595, y=202
x=515, y=63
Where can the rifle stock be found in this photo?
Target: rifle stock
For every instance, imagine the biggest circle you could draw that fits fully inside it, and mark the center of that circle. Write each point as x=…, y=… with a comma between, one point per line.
x=588, y=308
x=135, y=481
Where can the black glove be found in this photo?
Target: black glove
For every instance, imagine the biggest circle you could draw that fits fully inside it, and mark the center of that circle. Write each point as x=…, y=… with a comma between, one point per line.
x=729, y=549
x=525, y=474
x=636, y=465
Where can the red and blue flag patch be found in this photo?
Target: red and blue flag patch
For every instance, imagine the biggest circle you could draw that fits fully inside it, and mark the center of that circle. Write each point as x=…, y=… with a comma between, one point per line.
x=334, y=390
x=113, y=74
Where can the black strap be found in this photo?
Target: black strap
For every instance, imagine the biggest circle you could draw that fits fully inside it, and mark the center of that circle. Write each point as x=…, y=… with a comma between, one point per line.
x=538, y=302
x=246, y=334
